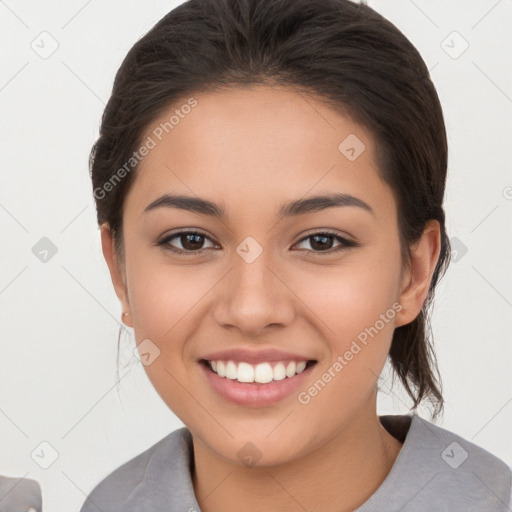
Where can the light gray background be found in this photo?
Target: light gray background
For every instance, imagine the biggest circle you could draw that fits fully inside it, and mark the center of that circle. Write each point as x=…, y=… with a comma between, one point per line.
x=60, y=318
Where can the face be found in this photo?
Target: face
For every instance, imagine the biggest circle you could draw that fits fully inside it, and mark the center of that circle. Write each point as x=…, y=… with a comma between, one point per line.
x=322, y=284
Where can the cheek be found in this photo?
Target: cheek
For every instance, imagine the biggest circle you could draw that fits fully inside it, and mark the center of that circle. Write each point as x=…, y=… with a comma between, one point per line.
x=164, y=301
x=167, y=302
x=352, y=296
x=162, y=294
x=361, y=303
x=357, y=341
x=355, y=308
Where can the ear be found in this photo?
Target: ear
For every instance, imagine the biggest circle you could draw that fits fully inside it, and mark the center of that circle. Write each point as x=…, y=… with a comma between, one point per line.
x=417, y=278
x=117, y=272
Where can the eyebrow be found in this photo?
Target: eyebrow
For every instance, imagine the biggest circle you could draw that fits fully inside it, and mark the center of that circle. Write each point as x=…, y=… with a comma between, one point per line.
x=290, y=209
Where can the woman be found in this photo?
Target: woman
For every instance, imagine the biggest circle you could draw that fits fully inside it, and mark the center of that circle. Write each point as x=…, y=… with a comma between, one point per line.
x=269, y=183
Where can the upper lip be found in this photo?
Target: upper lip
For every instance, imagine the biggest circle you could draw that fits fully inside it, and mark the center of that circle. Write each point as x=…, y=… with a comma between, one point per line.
x=254, y=356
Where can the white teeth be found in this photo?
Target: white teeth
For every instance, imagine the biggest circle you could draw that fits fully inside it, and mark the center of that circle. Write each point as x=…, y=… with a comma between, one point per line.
x=279, y=371
x=290, y=369
x=221, y=369
x=261, y=373
x=245, y=372
x=231, y=370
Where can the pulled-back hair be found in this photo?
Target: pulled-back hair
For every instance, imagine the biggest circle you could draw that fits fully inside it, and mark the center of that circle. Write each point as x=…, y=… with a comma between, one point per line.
x=344, y=53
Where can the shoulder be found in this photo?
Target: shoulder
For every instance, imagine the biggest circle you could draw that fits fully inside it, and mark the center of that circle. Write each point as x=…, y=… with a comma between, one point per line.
x=458, y=471
x=457, y=452
x=131, y=479
x=439, y=470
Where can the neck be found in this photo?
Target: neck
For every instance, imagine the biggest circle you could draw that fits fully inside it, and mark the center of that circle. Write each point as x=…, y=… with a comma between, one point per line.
x=341, y=475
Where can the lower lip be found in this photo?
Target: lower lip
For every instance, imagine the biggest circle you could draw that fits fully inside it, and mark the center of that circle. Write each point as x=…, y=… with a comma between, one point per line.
x=252, y=394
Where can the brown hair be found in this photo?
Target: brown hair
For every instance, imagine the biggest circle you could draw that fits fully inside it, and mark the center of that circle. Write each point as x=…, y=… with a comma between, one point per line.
x=347, y=55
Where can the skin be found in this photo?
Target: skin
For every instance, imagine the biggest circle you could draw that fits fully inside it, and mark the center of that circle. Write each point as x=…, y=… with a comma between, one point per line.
x=251, y=150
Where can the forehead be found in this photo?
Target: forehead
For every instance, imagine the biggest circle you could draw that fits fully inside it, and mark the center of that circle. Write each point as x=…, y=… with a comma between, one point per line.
x=248, y=143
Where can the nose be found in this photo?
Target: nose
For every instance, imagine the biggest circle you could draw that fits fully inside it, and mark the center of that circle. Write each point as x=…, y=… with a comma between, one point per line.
x=254, y=297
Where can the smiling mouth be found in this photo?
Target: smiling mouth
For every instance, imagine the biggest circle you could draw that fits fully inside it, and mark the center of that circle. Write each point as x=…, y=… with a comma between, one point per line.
x=261, y=373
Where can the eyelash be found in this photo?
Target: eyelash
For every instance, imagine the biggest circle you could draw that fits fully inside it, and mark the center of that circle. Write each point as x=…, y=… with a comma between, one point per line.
x=346, y=243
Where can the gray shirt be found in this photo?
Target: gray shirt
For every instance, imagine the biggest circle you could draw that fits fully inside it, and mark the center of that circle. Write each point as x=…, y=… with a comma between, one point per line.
x=436, y=470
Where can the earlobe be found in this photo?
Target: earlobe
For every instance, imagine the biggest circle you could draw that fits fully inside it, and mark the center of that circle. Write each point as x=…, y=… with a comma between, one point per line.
x=116, y=273
x=416, y=282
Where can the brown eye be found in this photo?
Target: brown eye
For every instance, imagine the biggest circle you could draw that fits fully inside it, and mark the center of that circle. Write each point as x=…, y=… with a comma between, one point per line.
x=323, y=242
x=188, y=241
